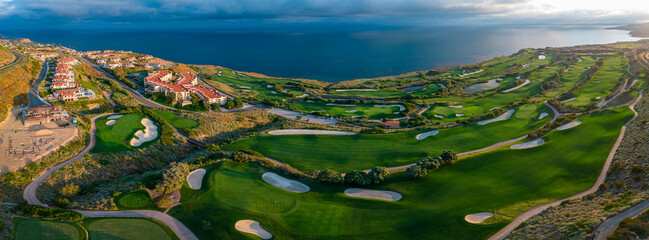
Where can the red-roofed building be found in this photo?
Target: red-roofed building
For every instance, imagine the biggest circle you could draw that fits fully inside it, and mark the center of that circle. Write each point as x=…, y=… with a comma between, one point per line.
x=391, y=124
x=159, y=81
x=73, y=94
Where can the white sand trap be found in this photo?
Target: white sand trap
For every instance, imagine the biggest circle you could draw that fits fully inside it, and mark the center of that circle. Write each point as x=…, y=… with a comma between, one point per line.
x=459, y=114
x=245, y=87
x=568, y=100
x=341, y=105
x=422, y=136
x=439, y=116
x=543, y=115
x=598, y=97
x=309, y=132
x=269, y=86
x=395, y=112
x=356, y=90
x=252, y=227
x=457, y=106
x=111, y=122
x=517, y=87
x=284, y=183
x=478, y=217
x=374, y=194
x=195, y=178
x=273, y=92
x=150, y=133
x=530, y=144
x=502, y=117
x=401, y=107
x=351, y=111
x=569, y=125
x=118, y=116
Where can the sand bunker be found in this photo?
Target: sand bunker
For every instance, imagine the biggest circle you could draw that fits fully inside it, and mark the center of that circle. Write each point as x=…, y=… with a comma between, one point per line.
x=351, y=111
x=478, y=217
x=245, y=87
x=269, y=86
x=356, y=90
x=150, y=133
x=439, y=116
x=284, y=183
x=459, y=114
x=374, y=194
x=569, y=125
x=309, y=132
x=422, y=136
x=543, y=115
x=457, y=106
x=112, y=117
x=342, y=105
x=401, y=107
x=253, y=227
x=491, y=84
x=517, y=87
x=111, y=122
x=195, y=178
x=530, y=144
x=273, y=92
x=41, y=132
x=502, y=117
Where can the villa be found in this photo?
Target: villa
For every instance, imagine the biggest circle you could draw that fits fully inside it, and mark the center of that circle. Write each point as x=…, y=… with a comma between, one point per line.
x=160, y=81
x=73, y=95
x=44, y=114
x=63, y=76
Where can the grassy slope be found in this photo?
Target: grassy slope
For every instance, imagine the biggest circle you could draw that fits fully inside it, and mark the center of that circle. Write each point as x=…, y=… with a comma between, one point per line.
x=362, y=151
x=602, y=82
x=576, y=72
x=127, y=228
x=117, y=137
x=506, y=181
x=176, y=120
x=28, y=229
x=5, y=56
x=139, y=199
x=365, y=110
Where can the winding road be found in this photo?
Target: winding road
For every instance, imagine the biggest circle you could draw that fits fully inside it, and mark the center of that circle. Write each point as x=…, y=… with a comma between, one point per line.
x=602, y=176
x=35, y=99
x=29, y=194
x=18, y=58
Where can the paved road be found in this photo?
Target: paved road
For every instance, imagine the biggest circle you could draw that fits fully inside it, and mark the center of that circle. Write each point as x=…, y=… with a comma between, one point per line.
x=35, y=99
x=18, y=59
x=29, y=194
x=608, y=226
x=602, y=176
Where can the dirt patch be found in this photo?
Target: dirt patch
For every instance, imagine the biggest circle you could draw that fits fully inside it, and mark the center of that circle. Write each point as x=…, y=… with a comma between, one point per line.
x=373, y=194
x=284, y=183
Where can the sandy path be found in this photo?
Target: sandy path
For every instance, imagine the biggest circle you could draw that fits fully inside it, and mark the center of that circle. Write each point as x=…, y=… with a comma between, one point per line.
x=478, y=217
x=530, y=144
x=195, y=178
x=373, y=194
x=309, y=132
x=150, y=133
x=502, y=117
x=602, y=176
x=423, y=136
x=569, y=125
x=110, y=122
x=118, y=116
x=284, y=183
x=252, y=227
x=517, y=87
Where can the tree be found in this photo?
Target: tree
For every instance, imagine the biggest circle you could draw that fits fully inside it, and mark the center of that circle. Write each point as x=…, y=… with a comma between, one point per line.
x=212, y=147
x=69, y=190
x=415, y=171
x=62, y=202
x=357, y=177
x=329, y=176
x=163, y=201
x=215, y=106
x=172, y=178
x=448, y=157
x=378, y=174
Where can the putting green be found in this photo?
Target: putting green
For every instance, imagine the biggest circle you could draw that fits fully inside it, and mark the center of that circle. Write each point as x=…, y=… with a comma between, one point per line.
x=506, y=181
x=139, y=199
x=364, y=151
x=127, y=228
x=177, y=121
x=27, y=229
x=115, y=138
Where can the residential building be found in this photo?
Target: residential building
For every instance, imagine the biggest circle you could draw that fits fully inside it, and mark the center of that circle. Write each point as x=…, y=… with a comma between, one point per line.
x=73, y=94
x=160, y=81
x=44, y=114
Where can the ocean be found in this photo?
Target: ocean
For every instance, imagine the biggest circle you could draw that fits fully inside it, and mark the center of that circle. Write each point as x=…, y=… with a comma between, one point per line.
x=327, y=55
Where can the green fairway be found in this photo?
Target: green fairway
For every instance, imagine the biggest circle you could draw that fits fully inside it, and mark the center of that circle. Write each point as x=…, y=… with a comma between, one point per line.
x=363, y=151
x=127, y=228
x=505, y=182
x=369, y=111
x=602, y=82
x=28, y=229
x=176, y=120
x=139, y=199
x=385, y=93
x=117, y=137
x=574, y=73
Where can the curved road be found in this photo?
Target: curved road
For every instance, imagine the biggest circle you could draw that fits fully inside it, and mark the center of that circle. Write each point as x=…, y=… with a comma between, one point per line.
x=35, y=99
x=29, y=194
x=18, y=58
x=602, y=176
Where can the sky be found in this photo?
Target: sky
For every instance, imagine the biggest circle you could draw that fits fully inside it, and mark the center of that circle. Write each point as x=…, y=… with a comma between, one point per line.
x=224, y=13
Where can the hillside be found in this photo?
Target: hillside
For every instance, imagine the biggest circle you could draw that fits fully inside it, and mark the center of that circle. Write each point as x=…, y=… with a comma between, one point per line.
x=5, y=56
x=14, y=85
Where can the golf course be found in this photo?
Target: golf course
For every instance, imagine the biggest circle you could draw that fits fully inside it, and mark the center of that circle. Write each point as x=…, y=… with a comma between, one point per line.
x=117, y=137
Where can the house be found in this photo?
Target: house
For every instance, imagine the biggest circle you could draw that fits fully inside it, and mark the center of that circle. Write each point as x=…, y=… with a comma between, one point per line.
x=44, y=114
x=391, y=124
x=73, y=95
x=159, y=81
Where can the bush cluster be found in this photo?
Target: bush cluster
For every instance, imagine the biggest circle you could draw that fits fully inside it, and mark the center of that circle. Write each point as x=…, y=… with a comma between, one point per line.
x=423, y=166
x=34, y=211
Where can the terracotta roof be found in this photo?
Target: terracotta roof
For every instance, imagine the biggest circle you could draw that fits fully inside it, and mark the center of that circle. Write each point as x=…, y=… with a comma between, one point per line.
x=391, y=123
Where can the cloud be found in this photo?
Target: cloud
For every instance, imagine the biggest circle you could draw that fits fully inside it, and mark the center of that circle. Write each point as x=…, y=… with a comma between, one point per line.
x=434, y=11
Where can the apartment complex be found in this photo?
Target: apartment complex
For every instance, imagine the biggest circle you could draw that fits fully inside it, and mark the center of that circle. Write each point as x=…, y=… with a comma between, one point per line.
x=185, y=84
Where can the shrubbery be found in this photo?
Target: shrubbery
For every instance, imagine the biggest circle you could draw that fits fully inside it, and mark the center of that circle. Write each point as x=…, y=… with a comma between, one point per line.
x=172, y=178
x=423, y=166
x=34, y=211
x=163, y=201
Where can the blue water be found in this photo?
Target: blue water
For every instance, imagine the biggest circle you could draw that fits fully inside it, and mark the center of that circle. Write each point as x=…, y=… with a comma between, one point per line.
x=331, y=55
